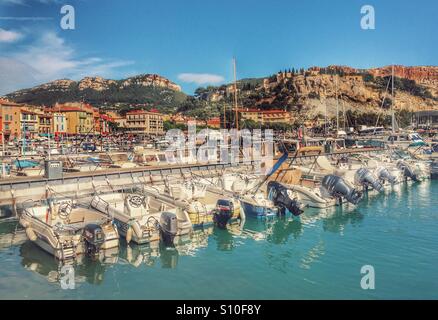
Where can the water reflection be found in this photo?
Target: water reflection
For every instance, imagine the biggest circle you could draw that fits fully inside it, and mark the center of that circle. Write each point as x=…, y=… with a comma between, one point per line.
x=281, y=231
x=90, y=270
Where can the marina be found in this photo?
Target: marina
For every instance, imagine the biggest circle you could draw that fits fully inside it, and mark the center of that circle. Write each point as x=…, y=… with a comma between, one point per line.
x=195, y=151
x=149, y=219
x=268, y=259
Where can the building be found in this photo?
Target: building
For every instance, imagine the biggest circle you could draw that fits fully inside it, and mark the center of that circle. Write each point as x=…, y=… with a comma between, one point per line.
x=45, y=123
x=265, y=116
x=105, y=127
x=214, y=123
x=59, y=123
x=144, y=122
x=118, y=119
x=10, y=113
x=29, y=121
x=79, y=118
x=427, y=119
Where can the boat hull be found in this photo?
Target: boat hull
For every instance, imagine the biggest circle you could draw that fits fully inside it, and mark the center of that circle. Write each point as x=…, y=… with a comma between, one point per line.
x=257, y=211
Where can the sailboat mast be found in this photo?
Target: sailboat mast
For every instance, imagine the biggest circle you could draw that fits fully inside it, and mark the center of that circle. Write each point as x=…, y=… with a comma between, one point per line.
x=225, y=115
x=392, y=103
x=337, y=106
x=235, y=95
x=344, y=115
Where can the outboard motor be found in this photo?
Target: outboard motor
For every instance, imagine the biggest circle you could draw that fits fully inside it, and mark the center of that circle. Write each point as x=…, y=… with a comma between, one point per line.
x=223, y=213
x=434, y=170
x=338, y=188
x=383, y=174
x=94, y=238
x=408, y=172
x=281, y=198
x=366, y=178
x=168, y=227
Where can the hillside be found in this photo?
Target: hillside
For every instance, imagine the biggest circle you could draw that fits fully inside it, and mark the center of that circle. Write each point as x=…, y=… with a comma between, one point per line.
x=308, y=92
x=146, y=89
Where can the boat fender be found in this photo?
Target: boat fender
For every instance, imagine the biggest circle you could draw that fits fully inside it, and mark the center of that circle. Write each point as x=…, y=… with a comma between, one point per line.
x=129, y=234
x=31, y=234
x=25, y=224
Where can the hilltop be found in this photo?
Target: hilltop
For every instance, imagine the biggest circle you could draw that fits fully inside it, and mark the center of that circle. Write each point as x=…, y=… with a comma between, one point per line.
x=145, y=89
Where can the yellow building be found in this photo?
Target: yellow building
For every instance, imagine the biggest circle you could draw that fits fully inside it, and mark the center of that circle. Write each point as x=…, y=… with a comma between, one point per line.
x=79, y=118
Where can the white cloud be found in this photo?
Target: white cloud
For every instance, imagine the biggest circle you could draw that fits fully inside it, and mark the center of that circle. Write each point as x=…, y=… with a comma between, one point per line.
x=49, y=58
x=200, y=78
x=9, y=36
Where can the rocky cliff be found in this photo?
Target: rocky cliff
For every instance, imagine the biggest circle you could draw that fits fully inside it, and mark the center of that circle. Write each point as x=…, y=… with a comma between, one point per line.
x=365, y=90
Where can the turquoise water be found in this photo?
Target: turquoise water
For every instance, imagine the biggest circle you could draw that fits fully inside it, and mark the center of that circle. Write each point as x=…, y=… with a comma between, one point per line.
x=319, y=257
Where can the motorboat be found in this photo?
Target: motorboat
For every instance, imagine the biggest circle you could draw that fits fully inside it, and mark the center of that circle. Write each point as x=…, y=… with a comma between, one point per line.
x=66, y=229
x=141, y=218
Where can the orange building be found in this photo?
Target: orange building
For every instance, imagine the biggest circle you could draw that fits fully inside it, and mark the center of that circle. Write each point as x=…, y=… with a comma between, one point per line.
x=10, y=113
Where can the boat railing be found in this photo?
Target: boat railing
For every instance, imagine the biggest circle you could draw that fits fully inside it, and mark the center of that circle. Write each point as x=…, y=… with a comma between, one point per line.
x=100, y=204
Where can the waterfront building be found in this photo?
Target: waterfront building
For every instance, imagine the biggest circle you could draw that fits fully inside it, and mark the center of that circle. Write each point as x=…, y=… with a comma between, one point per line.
x=10, y=113
x=45, y=123
x=118, y=119
x=29, y=123
x=79, y=118
x=144, y=122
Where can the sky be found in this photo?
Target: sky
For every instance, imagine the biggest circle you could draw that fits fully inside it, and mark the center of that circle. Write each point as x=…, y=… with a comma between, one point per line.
x=193, y=42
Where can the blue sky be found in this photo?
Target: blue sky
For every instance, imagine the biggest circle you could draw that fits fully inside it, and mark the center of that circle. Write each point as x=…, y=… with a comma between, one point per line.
x=192, y=42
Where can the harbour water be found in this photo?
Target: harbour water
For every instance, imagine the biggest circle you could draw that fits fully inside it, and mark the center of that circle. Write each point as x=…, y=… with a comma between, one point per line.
x=319, y=256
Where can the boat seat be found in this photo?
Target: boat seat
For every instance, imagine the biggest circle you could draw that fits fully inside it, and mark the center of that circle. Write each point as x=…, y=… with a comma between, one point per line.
x=38, y=212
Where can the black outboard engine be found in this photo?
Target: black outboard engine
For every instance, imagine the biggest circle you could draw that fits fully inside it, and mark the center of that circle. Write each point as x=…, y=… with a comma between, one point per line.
x=366, y=178
x=434, y=170
x=383, y=174
x=408, y=172
x=338, y=188
x=280, y=197
x=223, y=213
x=168, y=227
x=94, y=238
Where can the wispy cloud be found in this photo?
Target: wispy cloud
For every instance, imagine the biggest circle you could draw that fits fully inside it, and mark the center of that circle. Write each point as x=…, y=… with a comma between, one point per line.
x=9, y=36
x=49, y=58
x=25, y=2
x=26, y=18
x=200, y=78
